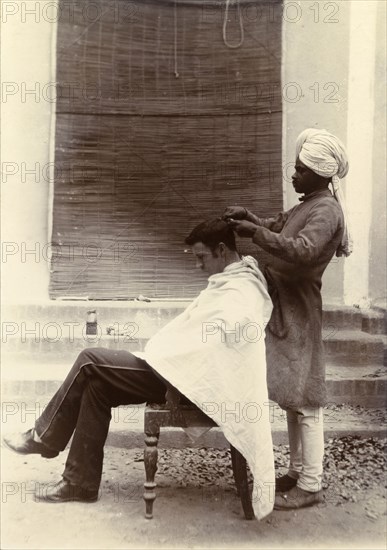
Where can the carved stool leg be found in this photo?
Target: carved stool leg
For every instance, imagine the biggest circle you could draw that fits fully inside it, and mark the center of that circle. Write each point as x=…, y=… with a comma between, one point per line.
x=239, y=467
x=234, y=469
x=150, y=463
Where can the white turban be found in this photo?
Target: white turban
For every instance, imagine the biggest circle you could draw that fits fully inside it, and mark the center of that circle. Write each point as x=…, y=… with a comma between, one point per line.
x=325, y=155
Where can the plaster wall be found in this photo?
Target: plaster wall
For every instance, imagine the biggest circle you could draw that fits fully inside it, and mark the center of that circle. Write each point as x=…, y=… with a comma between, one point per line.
x=27, y=101
x=378, y=245
x=315, y=88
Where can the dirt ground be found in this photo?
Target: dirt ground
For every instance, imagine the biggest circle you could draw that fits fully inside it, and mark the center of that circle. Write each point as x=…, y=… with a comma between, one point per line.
x=184, y=517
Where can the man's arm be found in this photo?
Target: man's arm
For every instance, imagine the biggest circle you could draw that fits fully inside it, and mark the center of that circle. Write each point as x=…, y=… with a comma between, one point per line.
x=306, y=247
x=273, y=224
x=241, y=213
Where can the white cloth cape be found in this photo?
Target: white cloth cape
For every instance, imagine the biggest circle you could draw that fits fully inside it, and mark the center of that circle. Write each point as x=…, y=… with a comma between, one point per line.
x=214, y=353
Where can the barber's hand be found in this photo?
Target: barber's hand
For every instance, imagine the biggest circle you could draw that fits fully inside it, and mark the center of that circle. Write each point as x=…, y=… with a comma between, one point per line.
x=242, y=227
x=235, y=212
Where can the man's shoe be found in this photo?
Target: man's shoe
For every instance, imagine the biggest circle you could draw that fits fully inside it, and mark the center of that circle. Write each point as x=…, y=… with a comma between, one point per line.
x=64, y=491
x=284, y=483
x=297, y=498
x=24, y=444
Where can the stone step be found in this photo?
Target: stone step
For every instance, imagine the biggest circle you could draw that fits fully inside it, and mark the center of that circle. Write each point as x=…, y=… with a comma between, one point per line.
x=342, y=317
x=62, y=343
x=32, y=383
x=374, y=322
x=364, y=386
x=156, y=314
x=127, y=425
x=349, y=347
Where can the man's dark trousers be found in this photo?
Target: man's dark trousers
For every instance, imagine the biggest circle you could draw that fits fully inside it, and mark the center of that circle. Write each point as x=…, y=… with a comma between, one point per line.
x=99, y=380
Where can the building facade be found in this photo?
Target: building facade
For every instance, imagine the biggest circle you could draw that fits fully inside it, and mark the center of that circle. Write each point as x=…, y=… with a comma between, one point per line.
x=328, y=64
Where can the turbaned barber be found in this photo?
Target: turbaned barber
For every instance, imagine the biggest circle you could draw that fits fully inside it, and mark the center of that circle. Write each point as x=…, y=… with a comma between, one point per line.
x=302, y=242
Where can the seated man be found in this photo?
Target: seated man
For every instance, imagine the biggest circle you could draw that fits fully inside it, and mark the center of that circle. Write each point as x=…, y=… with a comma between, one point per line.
x=214, y=353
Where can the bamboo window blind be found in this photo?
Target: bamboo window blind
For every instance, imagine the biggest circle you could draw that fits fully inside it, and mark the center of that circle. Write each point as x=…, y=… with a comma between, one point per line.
x=161, y=123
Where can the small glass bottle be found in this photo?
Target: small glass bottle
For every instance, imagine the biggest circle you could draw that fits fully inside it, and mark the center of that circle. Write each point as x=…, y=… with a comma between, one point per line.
x=91, y=323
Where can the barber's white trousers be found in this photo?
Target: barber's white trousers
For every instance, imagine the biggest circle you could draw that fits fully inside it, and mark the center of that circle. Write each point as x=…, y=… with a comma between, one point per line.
x=306, y=444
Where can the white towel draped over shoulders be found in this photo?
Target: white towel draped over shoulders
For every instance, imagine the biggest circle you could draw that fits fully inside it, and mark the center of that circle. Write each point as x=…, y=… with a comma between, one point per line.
x=214, y=353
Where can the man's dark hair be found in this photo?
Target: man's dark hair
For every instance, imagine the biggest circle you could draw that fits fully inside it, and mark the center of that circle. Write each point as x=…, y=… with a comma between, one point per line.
x=211, y=233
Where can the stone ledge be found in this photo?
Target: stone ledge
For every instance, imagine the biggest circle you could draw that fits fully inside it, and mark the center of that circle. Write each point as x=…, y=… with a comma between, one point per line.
x=110, y=311
x=170, y=439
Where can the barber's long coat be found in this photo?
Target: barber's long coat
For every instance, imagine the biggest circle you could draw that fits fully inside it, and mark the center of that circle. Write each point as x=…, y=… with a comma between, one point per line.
x=301, y=241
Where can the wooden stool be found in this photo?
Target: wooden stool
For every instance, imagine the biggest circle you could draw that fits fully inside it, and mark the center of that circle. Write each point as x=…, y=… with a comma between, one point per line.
x=174, y=414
